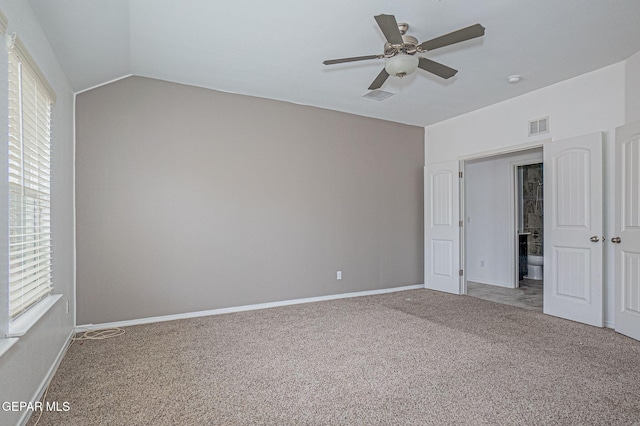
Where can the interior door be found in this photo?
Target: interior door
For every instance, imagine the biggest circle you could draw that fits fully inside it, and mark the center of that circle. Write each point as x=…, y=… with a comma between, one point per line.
x=442, y=229
x=573, y=246
x=627, y=230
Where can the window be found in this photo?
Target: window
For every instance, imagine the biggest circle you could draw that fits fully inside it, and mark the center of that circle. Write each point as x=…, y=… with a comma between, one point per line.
x=30, y=102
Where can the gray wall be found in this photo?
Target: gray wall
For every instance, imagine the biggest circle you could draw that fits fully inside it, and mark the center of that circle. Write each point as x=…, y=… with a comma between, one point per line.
x=25, y=367
x=190, y=199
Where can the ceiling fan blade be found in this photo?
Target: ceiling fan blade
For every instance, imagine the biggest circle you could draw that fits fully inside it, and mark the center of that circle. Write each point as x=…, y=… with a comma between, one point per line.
x=355, y=58
x=380, y=79
x=389, y=27
x=467, y=33
x=436, y=68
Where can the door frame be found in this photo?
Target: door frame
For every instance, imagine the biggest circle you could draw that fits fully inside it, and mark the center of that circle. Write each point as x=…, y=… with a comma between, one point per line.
x=626, y=320
x=479, y=156
x=515, y=213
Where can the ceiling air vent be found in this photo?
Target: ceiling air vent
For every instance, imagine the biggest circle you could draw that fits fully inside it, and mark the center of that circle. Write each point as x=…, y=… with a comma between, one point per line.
x=378, y=95
x=539, y=126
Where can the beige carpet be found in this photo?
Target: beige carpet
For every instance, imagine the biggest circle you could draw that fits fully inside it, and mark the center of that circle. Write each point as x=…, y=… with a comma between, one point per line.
x=408, y=358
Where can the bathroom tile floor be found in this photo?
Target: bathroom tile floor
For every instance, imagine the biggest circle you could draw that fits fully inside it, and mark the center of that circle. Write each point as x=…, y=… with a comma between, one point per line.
x=527, y=296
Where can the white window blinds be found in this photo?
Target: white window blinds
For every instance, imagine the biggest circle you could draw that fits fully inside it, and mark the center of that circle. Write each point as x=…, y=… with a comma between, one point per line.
x=30, y=100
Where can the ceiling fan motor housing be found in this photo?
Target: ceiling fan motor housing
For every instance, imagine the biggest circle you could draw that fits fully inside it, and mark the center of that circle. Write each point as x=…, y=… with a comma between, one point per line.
x=409, y=46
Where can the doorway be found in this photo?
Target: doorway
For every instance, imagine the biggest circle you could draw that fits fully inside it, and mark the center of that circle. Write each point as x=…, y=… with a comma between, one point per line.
x=530, y=221
x=503, y=229
x=573, y=252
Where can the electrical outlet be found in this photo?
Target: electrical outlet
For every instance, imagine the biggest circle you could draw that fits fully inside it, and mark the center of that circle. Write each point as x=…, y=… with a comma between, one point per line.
x=67, y=306
x=338, y=275
x=482, y=263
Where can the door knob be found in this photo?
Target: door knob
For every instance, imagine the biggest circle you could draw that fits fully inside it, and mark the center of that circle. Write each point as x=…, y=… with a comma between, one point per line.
x=595, y=239
x=616, y=240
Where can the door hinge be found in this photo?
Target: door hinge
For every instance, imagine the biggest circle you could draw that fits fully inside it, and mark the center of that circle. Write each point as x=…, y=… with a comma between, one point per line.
x=460, y=272
x=461, y=223
x=460, y=175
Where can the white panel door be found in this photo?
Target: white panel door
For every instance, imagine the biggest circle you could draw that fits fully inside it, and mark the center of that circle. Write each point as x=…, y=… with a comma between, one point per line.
x=627, y=247
x=441, y=225
x=573, y=247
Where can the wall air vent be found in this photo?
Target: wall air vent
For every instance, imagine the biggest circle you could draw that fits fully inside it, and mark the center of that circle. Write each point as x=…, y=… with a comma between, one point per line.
x=539, y=126
x=377, y=95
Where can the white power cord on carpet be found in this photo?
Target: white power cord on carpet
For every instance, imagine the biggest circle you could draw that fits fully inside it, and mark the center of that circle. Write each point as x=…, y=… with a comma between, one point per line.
x=107, y=333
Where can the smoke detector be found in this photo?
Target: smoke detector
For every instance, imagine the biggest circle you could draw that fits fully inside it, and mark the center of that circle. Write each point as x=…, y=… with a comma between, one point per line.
x=513, y=79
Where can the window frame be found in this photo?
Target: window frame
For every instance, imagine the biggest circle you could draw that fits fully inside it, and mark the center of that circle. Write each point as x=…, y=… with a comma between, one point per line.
x=11, y=328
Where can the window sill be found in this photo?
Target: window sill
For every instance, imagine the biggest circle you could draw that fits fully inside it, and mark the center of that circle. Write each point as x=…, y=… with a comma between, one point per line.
x=20, y=326
x=5, y=344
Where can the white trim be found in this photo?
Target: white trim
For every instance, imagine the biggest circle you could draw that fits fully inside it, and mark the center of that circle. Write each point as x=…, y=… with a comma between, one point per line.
x=462, y=167
x=506, y=150
x=490, y=282
x=25, y=58
x=5, y=344
x=187, y=315
x=74, y=253
x=24, y=322
x=4, y=23
x=533, y=158
x=610, y=324
x=102, y=84
x=47, y=378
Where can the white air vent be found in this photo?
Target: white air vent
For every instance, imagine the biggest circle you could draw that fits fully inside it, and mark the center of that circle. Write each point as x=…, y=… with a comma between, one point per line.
x=378, y=95
x=539, y=126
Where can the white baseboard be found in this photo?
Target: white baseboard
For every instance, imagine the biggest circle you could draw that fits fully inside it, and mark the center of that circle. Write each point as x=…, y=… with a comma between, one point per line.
x=609, y=324
x=47, y=379
x=490, y=282
x=149, y=320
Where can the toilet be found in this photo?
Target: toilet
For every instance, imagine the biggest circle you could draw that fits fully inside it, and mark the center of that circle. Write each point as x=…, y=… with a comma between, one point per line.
x=534, y=266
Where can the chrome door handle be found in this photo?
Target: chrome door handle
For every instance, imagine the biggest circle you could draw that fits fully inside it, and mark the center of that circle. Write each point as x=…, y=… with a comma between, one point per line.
x=616, y=240
x=595, y=239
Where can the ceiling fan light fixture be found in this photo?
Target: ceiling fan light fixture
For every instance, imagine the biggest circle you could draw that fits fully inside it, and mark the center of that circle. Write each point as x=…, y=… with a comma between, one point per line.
x=401, y=65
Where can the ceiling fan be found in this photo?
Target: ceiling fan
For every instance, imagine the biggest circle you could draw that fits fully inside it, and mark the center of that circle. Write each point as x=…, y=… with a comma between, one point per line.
x=400, y=50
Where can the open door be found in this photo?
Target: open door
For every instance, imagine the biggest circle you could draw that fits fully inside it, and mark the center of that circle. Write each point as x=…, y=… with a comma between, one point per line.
x=441, y=226
x=627, y=230
x=573, y=246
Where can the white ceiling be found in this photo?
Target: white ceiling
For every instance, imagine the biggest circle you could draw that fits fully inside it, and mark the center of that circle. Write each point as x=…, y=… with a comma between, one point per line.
x=275, y=49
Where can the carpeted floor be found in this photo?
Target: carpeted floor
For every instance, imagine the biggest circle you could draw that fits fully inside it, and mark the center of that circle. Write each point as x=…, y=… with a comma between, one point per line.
x=408, y=358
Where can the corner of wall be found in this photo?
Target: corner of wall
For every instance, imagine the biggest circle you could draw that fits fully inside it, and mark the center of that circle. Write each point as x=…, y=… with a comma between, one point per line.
x=632, y=88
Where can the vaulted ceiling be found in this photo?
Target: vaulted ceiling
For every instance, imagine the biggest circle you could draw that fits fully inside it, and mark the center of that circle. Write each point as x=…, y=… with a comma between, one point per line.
x=275, y=49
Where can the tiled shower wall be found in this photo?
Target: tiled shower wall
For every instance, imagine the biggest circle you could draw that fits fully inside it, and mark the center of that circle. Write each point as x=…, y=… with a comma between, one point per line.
x=532, y=206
